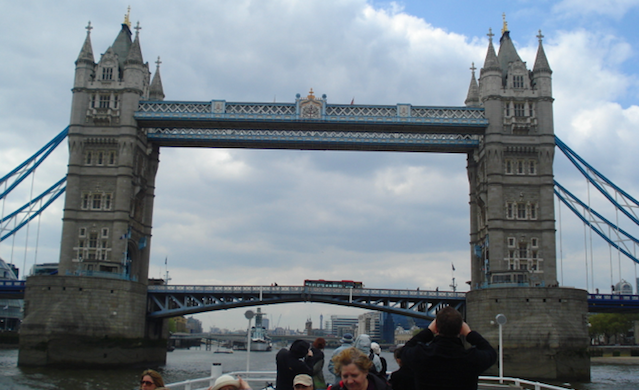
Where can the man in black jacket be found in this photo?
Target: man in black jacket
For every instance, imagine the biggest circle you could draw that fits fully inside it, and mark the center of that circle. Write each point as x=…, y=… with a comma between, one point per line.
x=291, y=362
x=441, y=361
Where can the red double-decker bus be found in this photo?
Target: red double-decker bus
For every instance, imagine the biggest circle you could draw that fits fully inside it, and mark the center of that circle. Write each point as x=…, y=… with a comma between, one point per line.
x=333, y=283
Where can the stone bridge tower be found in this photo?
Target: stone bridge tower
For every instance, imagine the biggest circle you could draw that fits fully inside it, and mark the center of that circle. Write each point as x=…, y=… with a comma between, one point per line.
x=512, y=235
x=109, y=199
x=511, y=175
x=94, y=311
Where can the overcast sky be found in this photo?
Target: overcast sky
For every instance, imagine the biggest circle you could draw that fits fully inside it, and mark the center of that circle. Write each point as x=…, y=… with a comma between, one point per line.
x=391, y=220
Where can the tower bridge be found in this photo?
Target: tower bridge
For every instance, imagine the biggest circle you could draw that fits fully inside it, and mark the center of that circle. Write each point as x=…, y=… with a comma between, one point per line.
x=120, y=120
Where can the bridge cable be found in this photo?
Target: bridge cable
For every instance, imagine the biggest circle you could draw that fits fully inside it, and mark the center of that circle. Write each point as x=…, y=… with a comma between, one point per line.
x=18, y=175
x=595, y=220
x=54, y=192
x=622, y=201
x=561, y=246
x=23, y=170
x=26, y=238
x=599, y=181
x=592, y=259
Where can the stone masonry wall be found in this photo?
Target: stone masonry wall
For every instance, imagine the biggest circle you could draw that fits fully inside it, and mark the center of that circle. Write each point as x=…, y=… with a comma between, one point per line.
x=546, y=334
x=86, y=321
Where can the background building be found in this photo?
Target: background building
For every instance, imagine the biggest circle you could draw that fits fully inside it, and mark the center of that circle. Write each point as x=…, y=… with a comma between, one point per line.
x=343, y=324
x=371, y=324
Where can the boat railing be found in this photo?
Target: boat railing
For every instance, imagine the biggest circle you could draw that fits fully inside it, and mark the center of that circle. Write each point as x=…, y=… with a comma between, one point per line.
x=256, y=379
x=495, y=382
x=266, y=380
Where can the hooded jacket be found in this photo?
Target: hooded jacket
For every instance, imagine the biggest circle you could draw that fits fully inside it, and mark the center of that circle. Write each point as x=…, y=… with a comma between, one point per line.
x=363, y=343
x=291, y=362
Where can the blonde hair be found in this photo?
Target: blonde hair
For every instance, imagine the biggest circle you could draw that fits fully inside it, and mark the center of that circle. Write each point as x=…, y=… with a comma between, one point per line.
x=352, y=355
x=157, y=378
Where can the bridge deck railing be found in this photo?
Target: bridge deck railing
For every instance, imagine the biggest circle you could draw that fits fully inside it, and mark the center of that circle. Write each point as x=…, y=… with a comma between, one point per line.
x=304, y=289
x=400, y=113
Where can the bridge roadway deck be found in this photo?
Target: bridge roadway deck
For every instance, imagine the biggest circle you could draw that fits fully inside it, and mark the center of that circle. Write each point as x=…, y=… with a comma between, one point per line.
x=170, y=301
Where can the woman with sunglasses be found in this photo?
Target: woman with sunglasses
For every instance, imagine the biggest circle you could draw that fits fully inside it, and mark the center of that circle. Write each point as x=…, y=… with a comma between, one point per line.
x=151, y=380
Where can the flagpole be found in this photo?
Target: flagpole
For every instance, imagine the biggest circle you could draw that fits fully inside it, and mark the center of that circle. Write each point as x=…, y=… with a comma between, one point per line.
x=166, y=268
x=453, y=285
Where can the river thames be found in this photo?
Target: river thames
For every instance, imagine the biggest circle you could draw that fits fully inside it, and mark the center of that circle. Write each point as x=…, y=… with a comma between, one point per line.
x=196, y=363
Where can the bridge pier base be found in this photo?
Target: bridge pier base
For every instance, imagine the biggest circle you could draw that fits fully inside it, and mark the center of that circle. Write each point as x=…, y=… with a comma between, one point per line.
x=89, y=321
x=546, y=334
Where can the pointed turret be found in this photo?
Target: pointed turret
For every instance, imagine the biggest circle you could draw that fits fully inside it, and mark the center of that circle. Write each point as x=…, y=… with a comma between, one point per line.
x=542, y=81
x=84, y=74
x=156, y=92
x=472, y=99
x=490, y=74
x=134, y=55
x=86, y=53
x=491, y=62
x=541, y=62
x=136, y=72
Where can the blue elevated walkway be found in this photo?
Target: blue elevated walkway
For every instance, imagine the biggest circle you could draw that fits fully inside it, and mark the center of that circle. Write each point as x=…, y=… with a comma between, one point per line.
x=613, y=303
x=312, y=124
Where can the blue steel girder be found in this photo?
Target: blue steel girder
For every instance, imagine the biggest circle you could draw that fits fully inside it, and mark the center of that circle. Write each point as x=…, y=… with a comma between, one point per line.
x=613, y=303
x=622, y=201
x=597, y=222
x=15, y=221
x=23, y=170
x=402, y=127
x=170, y=301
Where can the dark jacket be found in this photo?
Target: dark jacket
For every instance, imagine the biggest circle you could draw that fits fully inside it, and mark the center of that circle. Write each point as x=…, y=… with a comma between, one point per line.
x=402, y=379
x=318, y=368
x=378, y=383
x=445, y=363
x=292, y=362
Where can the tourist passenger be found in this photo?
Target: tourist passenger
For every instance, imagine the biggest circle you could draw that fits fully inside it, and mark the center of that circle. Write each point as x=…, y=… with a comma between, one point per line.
x=377, y=350
x=352, y=366
x=227, y=382
x=444, y=363
x=363, y=343
x=291, y=362
x=347, y=342
x=403, y=378
x=151, y=380
x=303, y=382
x=318, y=363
